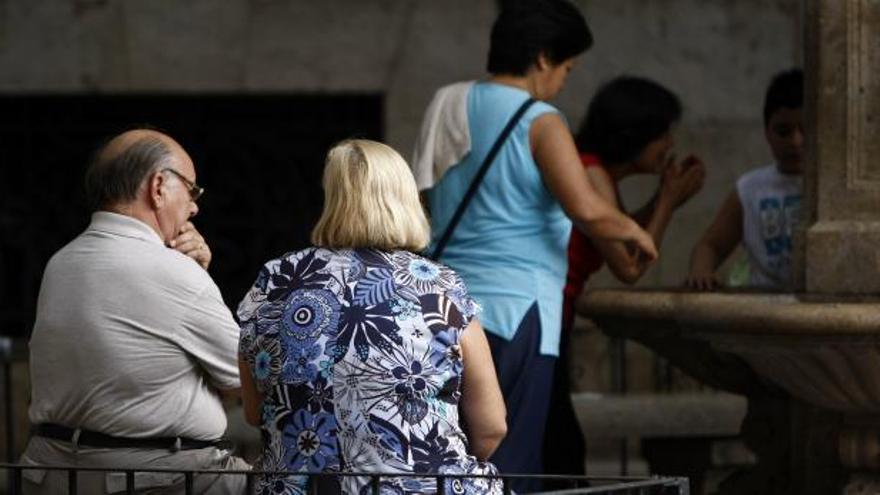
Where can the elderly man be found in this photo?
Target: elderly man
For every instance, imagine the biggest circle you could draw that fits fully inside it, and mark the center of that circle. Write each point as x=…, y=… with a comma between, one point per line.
x=132, y=345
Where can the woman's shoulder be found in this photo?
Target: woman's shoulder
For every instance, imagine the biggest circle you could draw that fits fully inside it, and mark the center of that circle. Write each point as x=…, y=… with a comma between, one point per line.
x=413, y=268
x=541, y=111
x=435, y=281
x=501, y=97
x=409, y=259
x=311, y=258
x=298, y=264
x=278, y=274
x=541, y=107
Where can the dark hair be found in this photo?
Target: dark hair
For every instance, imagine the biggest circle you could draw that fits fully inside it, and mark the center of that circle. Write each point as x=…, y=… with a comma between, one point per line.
x=624, y=116
x=526, y=28
x=116, y=179
x=785, y=91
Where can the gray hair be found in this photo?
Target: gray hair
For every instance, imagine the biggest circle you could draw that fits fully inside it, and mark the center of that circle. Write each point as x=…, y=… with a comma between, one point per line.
x=118, y=178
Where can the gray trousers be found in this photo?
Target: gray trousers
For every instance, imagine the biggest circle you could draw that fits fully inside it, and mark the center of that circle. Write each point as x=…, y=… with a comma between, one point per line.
x=43, y=451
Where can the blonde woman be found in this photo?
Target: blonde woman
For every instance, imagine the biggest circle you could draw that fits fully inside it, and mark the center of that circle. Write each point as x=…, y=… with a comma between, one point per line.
x=357, y=354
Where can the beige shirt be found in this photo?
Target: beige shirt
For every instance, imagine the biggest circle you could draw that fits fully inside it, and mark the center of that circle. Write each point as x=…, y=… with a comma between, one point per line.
x=131, y=338
x=445, y=136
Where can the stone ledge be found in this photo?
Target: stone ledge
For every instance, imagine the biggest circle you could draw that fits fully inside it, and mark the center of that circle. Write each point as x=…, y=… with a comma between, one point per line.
x=737, y=312
x=653, y=415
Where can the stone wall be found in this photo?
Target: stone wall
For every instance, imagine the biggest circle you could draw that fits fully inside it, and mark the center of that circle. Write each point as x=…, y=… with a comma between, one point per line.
x=717, y=55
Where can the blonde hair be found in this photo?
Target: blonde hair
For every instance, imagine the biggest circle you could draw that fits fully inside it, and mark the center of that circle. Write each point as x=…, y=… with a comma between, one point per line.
x=370, y=200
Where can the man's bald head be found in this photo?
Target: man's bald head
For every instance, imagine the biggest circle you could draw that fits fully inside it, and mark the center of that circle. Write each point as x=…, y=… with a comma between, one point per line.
x=121, y=166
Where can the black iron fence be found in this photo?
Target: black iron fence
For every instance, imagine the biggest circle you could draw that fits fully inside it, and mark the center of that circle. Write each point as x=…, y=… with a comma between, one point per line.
x=573, y=484
x=312, y=481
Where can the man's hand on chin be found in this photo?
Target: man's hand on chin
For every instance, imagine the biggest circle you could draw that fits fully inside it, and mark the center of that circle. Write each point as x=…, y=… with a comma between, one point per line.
x=191, y=243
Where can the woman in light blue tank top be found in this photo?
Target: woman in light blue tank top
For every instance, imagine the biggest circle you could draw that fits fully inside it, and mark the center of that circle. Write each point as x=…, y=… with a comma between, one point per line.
x=510, y=245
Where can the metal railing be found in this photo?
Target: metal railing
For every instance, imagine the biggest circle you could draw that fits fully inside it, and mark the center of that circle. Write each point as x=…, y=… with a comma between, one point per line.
x=579, y=484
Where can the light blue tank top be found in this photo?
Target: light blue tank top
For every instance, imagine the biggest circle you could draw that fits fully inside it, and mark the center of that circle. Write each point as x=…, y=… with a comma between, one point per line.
x=510, y=246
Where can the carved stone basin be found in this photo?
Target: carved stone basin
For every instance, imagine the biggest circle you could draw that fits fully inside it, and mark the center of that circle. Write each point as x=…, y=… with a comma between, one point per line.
x=810, y=369
x=824, y=353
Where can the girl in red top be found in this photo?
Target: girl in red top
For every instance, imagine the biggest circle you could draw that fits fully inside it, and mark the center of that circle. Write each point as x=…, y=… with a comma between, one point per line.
x=627, y=131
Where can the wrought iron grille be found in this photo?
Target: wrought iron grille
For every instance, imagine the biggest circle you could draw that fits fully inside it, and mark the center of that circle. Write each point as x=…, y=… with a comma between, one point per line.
x=579, y=484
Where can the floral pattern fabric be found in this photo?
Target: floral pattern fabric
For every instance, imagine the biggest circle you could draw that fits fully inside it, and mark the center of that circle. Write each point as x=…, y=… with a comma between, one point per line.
x=356, y=354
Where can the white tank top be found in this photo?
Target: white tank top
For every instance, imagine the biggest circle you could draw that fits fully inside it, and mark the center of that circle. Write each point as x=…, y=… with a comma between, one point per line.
x=771, y=203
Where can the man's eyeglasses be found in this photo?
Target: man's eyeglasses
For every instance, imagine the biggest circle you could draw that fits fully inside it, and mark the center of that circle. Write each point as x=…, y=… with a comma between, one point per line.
x=195, y=191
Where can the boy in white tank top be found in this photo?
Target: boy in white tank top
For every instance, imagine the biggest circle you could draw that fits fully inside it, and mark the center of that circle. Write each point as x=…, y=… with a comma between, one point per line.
x=765, y=206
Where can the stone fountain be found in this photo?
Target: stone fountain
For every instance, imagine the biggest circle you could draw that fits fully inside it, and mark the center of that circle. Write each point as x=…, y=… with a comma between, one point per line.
x=809, y=361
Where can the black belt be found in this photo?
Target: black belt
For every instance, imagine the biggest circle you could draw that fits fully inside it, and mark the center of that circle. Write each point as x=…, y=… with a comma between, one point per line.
x=88, y=438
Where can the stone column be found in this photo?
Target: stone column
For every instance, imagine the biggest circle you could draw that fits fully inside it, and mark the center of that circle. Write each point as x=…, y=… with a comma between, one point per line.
x=839, y=250
x=839, y=244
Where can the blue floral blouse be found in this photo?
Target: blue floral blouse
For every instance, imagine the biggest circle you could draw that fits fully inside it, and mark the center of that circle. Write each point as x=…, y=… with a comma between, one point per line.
x=356, y=354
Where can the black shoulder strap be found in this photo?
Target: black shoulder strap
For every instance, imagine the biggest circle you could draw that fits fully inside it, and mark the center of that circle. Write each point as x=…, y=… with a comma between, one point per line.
x=478, y=179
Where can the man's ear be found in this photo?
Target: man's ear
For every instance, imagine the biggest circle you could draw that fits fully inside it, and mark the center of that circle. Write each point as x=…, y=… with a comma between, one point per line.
x=156, y=190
